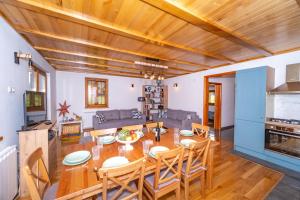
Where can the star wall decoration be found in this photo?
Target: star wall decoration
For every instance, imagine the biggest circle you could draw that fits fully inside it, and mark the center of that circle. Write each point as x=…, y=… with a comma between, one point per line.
x=64, y=109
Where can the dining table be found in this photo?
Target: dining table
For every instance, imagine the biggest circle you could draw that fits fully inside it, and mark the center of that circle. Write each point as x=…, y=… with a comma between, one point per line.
x=80, y=182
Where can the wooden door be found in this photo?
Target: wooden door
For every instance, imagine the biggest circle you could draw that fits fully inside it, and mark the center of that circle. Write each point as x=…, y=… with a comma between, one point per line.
x=218, y=106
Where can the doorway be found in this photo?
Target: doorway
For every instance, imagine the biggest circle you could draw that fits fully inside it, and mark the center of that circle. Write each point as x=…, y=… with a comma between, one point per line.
x=219, y=100
x=214, y=105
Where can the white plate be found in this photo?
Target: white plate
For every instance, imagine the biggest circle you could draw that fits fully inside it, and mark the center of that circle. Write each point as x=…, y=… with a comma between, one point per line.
x=186, y=133
x=115, y=161
x=156, y=149
x=77, y=157
x=187, y=142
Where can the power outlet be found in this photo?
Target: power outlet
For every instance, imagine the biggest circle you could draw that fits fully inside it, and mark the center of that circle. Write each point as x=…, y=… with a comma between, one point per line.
x=11, y=90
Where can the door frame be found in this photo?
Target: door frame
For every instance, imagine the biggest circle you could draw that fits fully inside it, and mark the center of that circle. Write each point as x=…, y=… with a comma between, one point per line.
x=206, y=96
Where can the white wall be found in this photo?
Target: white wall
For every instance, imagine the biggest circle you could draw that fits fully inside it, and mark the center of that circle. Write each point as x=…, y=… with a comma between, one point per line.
x=16, y=76
x=189, y=94
x=228, y=100
x=71, y=86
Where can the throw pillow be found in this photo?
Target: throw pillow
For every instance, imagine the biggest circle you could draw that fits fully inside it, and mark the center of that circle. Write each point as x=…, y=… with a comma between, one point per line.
x=136, y=114
x=165, y=115
x=189, y=116
x=100, y=118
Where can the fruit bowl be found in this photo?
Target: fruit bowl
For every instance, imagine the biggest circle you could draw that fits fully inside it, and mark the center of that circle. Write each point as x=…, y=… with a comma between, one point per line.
x=127, y=137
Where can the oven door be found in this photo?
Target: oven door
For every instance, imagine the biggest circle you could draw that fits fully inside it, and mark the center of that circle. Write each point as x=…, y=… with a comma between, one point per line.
x=283, y=142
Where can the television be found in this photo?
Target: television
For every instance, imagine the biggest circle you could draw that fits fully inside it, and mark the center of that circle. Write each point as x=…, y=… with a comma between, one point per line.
x=35, y=108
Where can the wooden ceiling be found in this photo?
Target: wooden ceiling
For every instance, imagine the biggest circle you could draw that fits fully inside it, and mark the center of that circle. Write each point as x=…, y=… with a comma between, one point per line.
x=107, y=36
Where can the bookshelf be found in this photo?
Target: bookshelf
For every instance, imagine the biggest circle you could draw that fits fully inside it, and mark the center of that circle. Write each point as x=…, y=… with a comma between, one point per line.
x=155, y=95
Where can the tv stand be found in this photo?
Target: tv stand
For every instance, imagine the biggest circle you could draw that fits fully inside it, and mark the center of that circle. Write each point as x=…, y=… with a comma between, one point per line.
x=42, y=135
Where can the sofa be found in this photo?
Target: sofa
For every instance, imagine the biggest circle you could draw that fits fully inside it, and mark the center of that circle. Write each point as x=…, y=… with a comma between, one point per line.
x=178, y=119
x=117, y=119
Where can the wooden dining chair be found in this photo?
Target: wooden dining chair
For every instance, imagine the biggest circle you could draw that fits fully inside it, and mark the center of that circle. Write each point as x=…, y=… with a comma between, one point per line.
x=166, y=177
x=150, y=126
x=134, y=127
x=200, y=130
x=102, y=132
x=37, y=178
x=122, y=180
x=195, y=166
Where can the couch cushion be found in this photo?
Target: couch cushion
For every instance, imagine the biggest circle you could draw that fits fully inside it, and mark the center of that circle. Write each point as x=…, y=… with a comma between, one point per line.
x=126, y=114
x=172, y=123
x=181, y=115
x=129, y=122
x=171, y=114
x=110, y=114
x=114, y=123
x=193, y=115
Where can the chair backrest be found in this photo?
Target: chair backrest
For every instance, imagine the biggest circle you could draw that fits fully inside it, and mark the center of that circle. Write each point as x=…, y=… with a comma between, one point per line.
x=102, y=132
x=197, y=157
x=200, y=129
x=121, y=177
x=171, y=161
x=150, y=126
x=134, y=127
x=36, y=175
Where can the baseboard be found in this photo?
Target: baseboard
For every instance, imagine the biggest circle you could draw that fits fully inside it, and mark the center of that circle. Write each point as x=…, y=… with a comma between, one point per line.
x=227, y=127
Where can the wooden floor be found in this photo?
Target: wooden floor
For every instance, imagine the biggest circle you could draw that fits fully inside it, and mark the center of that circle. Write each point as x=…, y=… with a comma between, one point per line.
x=234, y=177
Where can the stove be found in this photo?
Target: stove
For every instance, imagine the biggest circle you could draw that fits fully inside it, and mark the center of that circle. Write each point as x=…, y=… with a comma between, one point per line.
x=283, y=136
x=284, y=121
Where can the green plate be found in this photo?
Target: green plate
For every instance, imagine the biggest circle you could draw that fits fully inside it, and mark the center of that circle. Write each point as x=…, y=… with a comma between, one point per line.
x=77, y=156
x=78, y=163
x=107, y=139
x=186, y=133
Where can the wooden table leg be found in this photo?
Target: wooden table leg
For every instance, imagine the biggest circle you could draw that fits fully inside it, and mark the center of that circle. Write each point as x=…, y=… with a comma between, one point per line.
x=209, y=172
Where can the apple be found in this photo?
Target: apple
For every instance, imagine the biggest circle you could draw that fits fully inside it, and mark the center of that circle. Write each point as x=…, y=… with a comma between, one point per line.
x=128, y=138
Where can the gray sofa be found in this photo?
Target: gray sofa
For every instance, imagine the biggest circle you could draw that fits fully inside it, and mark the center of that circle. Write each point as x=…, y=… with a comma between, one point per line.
x=117, y=119
x=178, y=119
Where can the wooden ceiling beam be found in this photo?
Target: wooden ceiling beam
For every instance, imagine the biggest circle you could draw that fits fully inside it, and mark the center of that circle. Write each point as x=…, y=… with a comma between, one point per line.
x=181, y=12
x=101, y=46
x=79, y=18
x=39, y=48
x=99, y=65
x=84, y=55
x=95, y=70
x=59, y=66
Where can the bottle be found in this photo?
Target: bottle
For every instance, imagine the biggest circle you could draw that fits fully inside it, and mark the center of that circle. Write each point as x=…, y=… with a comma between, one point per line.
x=158, y=132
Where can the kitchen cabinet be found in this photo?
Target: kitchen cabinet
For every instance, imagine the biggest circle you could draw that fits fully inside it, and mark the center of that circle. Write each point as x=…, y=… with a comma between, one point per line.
x=250, y=109
x=249, y=135
x=251, y=94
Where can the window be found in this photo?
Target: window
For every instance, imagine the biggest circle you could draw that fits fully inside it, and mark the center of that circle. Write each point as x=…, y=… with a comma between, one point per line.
x=96, y=93
x=37, y=80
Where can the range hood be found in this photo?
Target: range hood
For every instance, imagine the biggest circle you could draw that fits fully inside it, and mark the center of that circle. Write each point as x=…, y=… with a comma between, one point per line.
x=292, y=85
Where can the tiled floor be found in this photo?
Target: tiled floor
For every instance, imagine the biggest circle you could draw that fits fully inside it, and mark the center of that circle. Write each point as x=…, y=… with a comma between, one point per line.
x=288, y=188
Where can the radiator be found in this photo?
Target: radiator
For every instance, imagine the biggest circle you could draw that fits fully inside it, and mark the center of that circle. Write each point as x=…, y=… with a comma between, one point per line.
x=8, y=173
